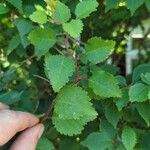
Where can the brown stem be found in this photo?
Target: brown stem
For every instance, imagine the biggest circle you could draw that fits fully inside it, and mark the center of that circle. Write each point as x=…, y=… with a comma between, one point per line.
x=76, y=70
x=24, y=61
x=40, y=77
x=80, y=78
x=66, y=42
x=60, y=52
x=49, y=112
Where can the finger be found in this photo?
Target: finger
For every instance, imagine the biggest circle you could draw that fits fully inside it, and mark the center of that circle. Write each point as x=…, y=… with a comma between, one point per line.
x=3, y=106
x=28, y=139
x=12, y=122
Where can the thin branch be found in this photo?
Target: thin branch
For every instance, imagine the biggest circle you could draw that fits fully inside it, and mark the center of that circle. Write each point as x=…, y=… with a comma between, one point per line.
x=76, y=69
x=60, y=52
x=66, y=42
x=77, y=40
x=147, y=33
x=49, y=112
x=60, y=34
x=137, y=126
x=40, y=77
x=80, y=78
x=23, y=62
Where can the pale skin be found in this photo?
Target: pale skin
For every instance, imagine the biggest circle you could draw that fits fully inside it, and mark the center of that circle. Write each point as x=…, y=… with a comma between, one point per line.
x=13, y=122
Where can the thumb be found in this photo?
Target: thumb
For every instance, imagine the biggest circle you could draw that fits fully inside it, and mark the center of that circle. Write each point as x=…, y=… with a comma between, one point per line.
x=28, y=139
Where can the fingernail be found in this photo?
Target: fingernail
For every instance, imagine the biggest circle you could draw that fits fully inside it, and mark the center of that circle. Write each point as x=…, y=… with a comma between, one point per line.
x=41, y=130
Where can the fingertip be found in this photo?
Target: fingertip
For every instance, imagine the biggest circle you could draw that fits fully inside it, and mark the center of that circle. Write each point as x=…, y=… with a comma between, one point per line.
x=30, y=119
x=29, y=138
x=13, y=122
x=3, y=106
x=41, y=130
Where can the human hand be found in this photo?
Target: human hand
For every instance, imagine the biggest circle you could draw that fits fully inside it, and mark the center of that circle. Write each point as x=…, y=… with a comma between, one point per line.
x=12, y=122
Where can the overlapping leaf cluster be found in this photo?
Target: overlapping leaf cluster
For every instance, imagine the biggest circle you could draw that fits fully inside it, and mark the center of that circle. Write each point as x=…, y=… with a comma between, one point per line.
x=92, y=106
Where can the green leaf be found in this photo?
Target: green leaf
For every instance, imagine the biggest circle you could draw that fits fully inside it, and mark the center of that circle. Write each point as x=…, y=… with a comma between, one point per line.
x=139, y=70
x=109, y=4
x=13, y=44
x=104, y=85
x=74, y=28
x=73, y=103
x=123, y=100
x=147, y=3
x=61, y=13
x=10, y=97
x=97, y=141
x=3, y=9
x=24, y=26
x=59, y=69
x=17, y=4
x=70, y=144
x=98, y=50
x=138, y=92
x=112, y=114
x=106, y=67
x=68, y=126
x=128, y=138
x=133, y=5
x=44, y=144
x=110, y=68
x=72, y=111
x=85, y=8
x=145, y=142
x=149, y=95
x=108, y=129
x=28, y=9
x=72, y=126
x=121, y=80
x=146, y=78
x=120, y=147
x=39, y=16
x=144, y=111
x=43, y=40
